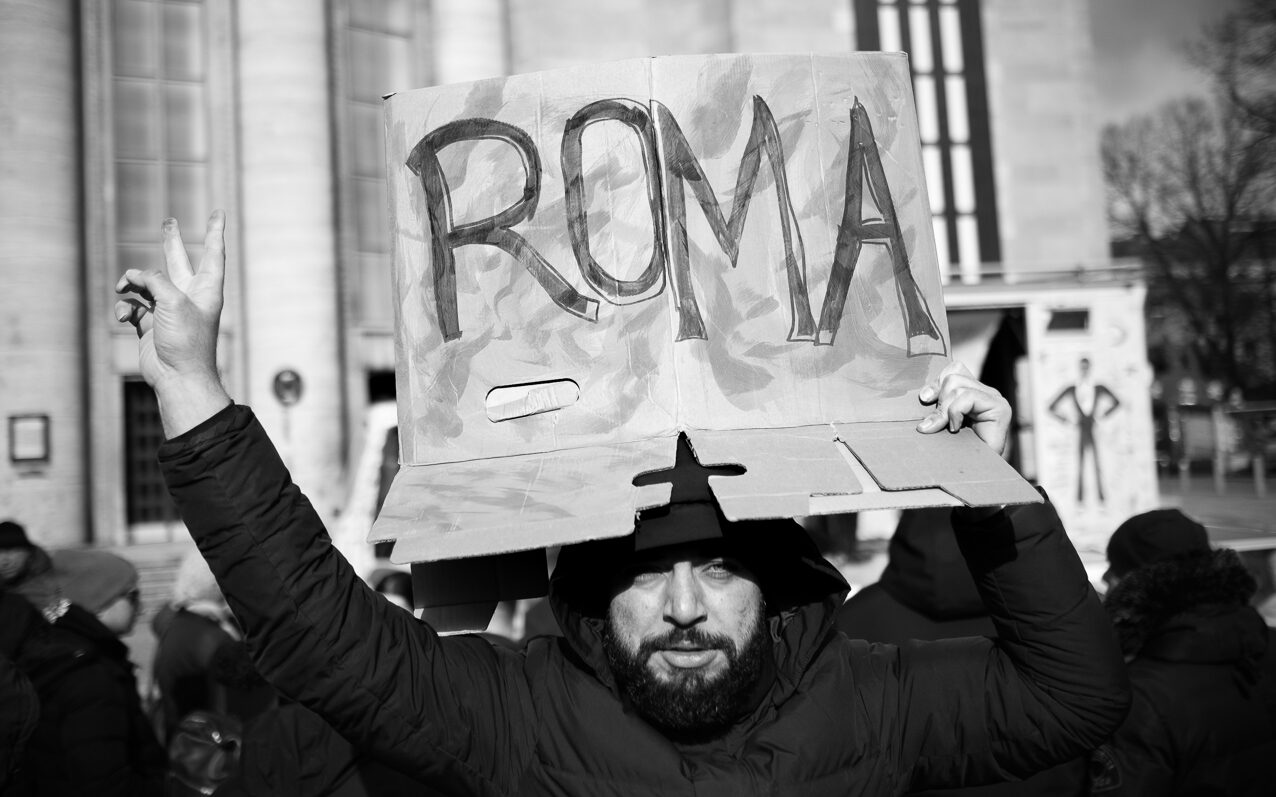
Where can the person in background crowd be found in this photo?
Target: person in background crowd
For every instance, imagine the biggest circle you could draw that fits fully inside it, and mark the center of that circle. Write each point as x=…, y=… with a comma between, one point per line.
x=19, y=711
x=699, y=655
x=19, y=702
x=198, y=662
x=926, y=593
x=26, y=570
x=396, y=586
x=1262, y=566
x=15, y=553
x=1199, y=723
x=289, y=749
x=92, y=736
x=202, y=664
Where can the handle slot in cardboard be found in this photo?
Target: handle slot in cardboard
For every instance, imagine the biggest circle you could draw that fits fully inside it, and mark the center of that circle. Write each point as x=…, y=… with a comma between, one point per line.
x=532, y=398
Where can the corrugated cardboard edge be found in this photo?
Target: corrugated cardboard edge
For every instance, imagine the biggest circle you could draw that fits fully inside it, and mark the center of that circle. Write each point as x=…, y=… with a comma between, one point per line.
x=453, y=511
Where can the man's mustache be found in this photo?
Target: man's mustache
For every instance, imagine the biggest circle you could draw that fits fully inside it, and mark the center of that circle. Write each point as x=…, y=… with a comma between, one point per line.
x=686, y=638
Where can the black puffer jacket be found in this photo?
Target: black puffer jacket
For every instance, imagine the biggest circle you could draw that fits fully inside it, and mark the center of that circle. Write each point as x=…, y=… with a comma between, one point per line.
x=1198, y=724
x=198, y=666
x=19, y=704
x=91, y=737
x=842, y=717
x=926, y=593
x=19, y=710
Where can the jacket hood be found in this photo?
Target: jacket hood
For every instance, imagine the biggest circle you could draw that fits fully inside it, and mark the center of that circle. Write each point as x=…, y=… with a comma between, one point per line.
x=1189, y=609
x=926, y=571
x=802, y=592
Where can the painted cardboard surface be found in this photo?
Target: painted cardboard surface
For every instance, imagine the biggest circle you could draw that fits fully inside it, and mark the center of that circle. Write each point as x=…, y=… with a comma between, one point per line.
x=590, y=261
x=1091, y=413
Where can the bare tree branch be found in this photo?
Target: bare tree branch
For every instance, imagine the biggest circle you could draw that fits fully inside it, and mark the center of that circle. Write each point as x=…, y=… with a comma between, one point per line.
x=1187, y=185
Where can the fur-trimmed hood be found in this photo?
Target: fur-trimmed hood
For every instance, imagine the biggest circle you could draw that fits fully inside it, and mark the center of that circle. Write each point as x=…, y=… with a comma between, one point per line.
x=1189, y=609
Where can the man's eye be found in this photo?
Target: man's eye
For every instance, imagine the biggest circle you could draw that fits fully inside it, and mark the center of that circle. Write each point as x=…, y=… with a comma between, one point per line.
x=645, y=575
x=720, y=569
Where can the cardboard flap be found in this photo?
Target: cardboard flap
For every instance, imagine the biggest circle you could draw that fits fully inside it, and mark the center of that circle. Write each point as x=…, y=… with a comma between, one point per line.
x=783, y=469
x=901, y=458
x=464, y=509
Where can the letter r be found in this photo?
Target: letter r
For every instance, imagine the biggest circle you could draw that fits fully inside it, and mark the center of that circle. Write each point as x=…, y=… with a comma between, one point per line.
x=446, y=235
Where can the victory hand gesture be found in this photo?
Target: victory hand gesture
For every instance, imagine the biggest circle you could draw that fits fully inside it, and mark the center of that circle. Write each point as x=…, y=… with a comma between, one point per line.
x=176, y=313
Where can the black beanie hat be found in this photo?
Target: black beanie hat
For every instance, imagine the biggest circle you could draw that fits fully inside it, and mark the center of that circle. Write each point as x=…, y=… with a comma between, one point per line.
x=13, y=536
x=1152, y=537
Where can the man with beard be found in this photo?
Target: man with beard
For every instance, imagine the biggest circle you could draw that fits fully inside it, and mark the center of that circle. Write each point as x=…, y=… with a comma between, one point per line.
x=684, y=679
x=699, y=656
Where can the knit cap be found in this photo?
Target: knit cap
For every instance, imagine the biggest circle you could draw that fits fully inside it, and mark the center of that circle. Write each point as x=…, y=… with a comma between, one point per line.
x=13, y=536
x=1152, y=537
x=93, y=579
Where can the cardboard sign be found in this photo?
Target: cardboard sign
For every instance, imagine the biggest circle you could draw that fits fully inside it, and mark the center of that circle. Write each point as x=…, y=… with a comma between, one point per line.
x=590, y=261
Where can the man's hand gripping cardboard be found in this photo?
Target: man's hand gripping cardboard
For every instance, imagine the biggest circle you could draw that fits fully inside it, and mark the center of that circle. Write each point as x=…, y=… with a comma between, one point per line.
x=961, y=399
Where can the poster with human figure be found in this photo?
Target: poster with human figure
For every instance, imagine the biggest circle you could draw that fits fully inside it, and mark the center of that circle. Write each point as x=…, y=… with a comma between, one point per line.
x=1083, y=404
x=1092, y=442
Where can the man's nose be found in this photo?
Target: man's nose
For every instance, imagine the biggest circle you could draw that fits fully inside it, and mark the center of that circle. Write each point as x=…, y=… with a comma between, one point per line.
x=684, y=599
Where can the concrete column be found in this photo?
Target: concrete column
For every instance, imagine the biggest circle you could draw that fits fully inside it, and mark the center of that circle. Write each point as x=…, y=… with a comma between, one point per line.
x=289, y=267
x=470, y=40
x=792, y=26
x=550, y=34
x=41, y=324
x=1050, y=196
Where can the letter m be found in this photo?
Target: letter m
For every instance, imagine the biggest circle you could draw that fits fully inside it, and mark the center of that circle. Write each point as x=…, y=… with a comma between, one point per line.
x=681, y=166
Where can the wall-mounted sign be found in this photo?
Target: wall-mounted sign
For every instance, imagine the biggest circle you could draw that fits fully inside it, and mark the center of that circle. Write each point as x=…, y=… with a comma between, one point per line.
x=288, y=387
x=29, y=439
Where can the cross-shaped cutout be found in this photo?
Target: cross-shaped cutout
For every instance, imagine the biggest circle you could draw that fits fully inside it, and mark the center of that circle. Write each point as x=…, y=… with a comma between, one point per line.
x=689, y=478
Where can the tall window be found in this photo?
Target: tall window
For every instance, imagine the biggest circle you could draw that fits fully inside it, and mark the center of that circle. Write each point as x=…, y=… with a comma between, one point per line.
x=160, y=165
x=147, y=501
x=160, y=121
x=945, y=45
x=378, y=58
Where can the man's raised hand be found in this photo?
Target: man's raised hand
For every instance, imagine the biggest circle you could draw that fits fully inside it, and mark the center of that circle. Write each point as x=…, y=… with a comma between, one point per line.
x=962, y=400
x=176, y=312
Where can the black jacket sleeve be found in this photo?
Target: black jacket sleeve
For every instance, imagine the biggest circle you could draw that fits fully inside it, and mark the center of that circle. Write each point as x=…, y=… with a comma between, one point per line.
x=455, y=712
x=1048, y=689
x=19, y=711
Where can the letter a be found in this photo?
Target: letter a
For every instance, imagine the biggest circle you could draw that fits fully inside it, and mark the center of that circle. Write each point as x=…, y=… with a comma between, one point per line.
x=864, y=167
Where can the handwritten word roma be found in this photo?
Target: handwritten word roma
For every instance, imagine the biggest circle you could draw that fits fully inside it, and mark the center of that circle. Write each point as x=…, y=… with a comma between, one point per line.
x=668, y=160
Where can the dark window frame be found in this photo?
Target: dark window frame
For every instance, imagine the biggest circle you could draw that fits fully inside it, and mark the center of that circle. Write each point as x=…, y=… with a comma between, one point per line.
x=868, y=37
